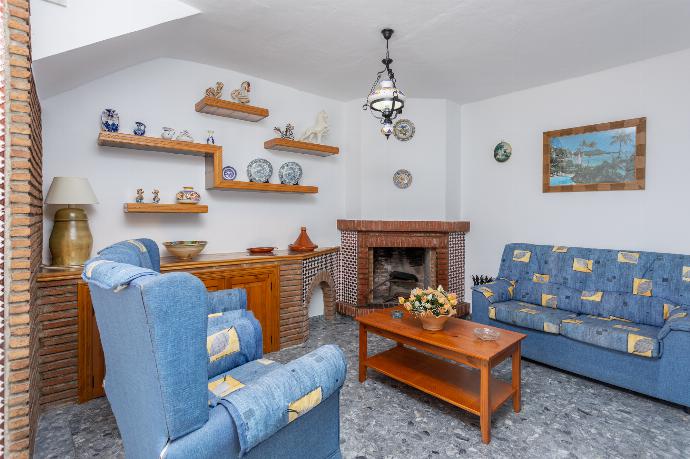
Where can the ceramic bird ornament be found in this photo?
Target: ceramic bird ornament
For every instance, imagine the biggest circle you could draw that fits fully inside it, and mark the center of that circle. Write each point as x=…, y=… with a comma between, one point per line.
x=215, y=92
x=241, y=95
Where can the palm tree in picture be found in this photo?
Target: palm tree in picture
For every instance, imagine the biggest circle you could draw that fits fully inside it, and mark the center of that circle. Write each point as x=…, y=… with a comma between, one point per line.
x=621, y=138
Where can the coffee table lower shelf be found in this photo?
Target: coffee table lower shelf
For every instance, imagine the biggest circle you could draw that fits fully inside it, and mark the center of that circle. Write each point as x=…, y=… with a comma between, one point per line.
x=450, y=382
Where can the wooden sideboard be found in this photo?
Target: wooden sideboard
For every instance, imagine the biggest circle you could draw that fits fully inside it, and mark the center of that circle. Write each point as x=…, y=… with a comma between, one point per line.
x=275, y=286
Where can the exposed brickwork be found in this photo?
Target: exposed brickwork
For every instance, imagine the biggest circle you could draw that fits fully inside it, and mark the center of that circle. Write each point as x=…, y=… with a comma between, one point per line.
x=445, y=240
x=24, y=223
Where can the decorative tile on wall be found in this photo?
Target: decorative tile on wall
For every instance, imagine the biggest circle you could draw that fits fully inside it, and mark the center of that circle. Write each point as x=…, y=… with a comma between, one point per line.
x=347, y=280
x=2, y=238
x=312, y=266
x=456, y=264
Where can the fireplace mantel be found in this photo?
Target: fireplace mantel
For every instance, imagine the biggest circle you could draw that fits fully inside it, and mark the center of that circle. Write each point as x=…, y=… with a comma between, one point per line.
x=445, y=240
x=428, y=226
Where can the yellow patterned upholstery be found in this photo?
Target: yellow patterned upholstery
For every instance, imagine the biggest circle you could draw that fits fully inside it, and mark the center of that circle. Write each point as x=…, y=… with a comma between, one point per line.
x=304, y=404
x=550, y=301
x=581, y=265
x=522, y=256
x=592, y=296
x=222, y=343
x=642, y=287
x=628, y=257
x=540, y=278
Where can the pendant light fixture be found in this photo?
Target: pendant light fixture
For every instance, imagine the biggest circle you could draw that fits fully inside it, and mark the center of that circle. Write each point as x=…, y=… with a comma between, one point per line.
x=385, y=100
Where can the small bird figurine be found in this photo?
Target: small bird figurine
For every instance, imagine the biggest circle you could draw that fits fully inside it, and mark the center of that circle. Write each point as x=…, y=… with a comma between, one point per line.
x=140, y=195
x=241, y=95
x=156, y=199
x=215, y=92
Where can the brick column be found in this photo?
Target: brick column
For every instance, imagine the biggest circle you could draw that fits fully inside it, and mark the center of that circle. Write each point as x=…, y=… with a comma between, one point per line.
x=24, y=220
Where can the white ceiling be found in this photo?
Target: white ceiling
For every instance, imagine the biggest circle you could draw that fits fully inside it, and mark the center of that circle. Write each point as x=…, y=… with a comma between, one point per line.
x=463, y=50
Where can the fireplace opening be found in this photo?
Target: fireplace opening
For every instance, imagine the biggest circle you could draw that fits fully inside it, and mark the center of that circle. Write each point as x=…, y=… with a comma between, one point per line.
x=396, y=270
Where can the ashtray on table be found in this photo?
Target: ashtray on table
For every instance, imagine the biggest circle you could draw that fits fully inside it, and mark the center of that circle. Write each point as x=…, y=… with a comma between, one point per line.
x=486, y=334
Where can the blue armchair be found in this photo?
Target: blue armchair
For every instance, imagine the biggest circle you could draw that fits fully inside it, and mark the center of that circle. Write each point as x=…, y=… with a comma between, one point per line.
x=185, y=374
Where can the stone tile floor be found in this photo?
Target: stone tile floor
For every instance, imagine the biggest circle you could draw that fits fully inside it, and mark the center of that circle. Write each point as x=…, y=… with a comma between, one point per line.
x=563, y=415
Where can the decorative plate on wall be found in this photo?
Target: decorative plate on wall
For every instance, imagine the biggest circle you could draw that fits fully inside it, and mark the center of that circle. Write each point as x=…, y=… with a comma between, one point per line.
x=403, y=130
x=290, y=173
x=402, y=178
x=229, y=173
x=502, y=152
x=259, y=170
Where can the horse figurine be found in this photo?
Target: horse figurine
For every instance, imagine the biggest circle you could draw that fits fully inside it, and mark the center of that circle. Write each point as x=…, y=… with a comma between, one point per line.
x=241, y=95
x=215, y=92
x=318, y=130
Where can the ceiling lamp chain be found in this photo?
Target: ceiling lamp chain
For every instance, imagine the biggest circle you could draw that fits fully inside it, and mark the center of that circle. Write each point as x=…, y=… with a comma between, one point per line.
x=385, y=100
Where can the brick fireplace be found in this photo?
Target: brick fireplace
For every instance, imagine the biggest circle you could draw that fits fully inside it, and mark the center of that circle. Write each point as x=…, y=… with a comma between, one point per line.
x=372, y=251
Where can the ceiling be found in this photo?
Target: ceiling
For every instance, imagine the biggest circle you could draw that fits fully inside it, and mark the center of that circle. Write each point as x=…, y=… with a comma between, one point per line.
x=463, y=50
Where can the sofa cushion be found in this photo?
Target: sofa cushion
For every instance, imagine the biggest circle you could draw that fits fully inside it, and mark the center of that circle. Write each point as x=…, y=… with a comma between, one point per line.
x=614, y=333
x=237, y=378
x=529, y=315
x=233, y=339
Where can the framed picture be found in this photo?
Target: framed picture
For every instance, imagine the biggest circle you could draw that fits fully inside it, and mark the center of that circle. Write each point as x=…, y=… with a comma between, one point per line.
x=598, y=157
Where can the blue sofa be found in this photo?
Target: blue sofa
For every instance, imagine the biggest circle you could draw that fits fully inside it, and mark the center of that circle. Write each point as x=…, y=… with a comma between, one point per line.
x=185, y=372
x=616, y=316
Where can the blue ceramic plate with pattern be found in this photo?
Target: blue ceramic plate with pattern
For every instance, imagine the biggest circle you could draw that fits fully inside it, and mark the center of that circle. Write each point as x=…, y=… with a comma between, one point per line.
x=229, y=173
x=290, y=173
x=259, y=170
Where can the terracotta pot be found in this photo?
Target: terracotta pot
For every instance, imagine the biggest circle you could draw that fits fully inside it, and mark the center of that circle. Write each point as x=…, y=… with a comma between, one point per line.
x=433, y=323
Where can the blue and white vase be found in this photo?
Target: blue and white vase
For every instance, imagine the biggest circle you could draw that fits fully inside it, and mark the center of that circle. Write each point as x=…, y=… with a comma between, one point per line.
x=140, y=128
x=210, y=140
x=110, y=120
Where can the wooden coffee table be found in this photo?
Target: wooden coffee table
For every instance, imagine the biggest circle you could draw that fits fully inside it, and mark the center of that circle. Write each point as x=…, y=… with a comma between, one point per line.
x=472, y=389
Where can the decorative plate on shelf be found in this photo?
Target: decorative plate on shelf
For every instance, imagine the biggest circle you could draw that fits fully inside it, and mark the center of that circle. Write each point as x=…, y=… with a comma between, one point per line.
x=403, y=130
x=260, y=250
x=229, y=173
x=402, y=178
x=259, y=170
x=502, y=152
x=290, y=173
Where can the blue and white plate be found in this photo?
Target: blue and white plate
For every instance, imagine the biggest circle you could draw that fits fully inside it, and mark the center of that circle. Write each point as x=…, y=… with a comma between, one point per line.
x=229, y=173
x=290, y=173
x=259, y=170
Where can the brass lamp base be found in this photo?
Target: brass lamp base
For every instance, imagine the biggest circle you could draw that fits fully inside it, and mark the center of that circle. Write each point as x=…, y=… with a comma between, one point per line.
x=70, y=241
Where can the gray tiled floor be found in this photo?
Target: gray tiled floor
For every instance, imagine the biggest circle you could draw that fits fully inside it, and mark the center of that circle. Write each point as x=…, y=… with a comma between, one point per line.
x=562, y=416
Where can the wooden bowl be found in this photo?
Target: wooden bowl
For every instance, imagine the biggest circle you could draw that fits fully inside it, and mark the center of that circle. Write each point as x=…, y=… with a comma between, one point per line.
x=185, y=250
x=260, y=250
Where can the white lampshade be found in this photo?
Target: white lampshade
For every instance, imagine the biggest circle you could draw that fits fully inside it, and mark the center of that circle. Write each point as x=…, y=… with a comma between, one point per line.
x=70, y=190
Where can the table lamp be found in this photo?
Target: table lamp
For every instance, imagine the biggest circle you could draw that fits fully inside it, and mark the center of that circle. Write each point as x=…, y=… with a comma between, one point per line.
x=70, y=240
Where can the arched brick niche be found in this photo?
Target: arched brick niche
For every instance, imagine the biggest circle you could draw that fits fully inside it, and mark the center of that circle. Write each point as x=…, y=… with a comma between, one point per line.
x=325, y=280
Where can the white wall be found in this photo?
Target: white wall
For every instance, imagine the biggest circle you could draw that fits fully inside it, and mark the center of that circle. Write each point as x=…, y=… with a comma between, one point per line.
x=163, y=93
x=424, y=156
x=505, y=203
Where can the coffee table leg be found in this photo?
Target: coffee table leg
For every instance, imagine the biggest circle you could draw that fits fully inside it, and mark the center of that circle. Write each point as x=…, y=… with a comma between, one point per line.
x=516, y=379
x=362, y=352
x=485, y=403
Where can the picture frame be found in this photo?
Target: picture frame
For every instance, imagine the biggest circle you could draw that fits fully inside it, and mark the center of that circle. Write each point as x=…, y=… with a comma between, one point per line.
x=598, y=157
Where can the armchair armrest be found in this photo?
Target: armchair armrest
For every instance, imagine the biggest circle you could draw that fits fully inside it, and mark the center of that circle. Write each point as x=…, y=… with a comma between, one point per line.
x=497, y=291
x=233, y=339
x=679, y=320
x=227, y=300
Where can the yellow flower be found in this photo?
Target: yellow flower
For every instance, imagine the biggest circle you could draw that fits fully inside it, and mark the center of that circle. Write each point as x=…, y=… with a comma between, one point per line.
x=401, y=300
x=407, y=306
x=424, y=299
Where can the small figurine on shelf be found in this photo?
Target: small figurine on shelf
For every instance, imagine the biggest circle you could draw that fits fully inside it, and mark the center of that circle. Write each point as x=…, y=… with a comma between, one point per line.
x=318, y=130
x=140, y=195
x=168, y=133
x=140, y=128
x=110, y=120
x=241, y=95
x=210, y=140
x=288, y=133
x=185, y=136
x=156, y=198
x=215, y=92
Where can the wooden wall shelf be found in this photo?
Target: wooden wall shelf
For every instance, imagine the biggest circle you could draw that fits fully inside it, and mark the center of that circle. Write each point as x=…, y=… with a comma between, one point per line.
x=139, y=142
x=228, y=109
x=253, y=186
x=296, y=146
x=151, y=208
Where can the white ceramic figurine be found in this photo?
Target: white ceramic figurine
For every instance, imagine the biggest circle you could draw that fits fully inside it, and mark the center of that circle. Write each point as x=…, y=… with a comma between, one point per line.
x=318, y=130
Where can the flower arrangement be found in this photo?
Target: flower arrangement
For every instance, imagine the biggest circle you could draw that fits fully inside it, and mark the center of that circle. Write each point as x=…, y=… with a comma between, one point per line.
x=430, y=302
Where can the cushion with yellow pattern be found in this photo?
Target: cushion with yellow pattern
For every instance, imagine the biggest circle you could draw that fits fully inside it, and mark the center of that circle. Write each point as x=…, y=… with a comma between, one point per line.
x=238, y=378
x=233, y=339
x=614, y=333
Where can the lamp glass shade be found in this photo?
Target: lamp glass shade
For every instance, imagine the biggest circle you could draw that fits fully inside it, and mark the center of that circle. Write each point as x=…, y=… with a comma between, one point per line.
x=70, y=190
